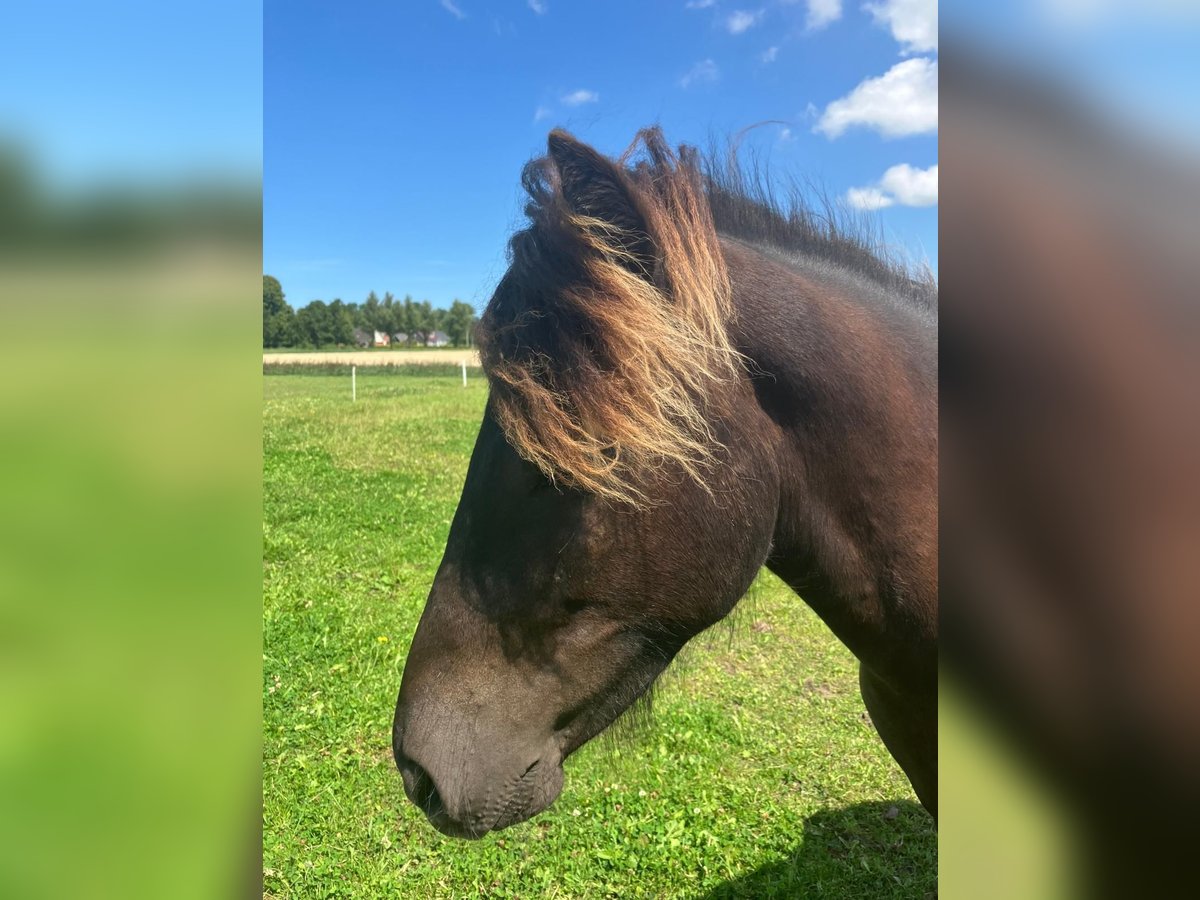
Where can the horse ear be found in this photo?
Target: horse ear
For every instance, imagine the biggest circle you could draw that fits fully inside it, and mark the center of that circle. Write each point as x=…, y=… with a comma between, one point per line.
x=595, y=186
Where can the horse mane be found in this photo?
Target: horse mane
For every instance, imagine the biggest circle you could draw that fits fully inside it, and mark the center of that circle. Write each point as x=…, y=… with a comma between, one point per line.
x=750, y=205
x=604, y=340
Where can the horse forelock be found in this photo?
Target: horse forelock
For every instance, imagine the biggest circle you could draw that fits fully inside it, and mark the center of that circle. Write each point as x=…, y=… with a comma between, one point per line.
x=605, y=362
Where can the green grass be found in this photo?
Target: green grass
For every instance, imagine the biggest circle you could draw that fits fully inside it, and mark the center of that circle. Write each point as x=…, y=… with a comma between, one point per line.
x=758, y=776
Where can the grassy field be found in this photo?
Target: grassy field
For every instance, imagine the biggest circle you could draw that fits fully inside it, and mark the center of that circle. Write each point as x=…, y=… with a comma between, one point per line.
x=759, y=774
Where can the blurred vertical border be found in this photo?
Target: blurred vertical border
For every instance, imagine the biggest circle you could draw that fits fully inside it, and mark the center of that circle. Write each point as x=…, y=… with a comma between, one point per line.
x=1070, y=448
x=130, y=457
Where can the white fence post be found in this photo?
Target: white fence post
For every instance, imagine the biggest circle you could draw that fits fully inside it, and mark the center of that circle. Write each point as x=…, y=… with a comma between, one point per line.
x=353, y=384
x=464, y=368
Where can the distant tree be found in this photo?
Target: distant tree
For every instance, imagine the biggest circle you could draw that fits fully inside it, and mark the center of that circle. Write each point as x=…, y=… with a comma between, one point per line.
x=408, y=318
x=341, y=323
x=422, y=321
x=459, y=320
x=281, y=329
x=373, y=312
x=321, y=325
x=315, y=324
x=389, y=311
x=273, y=299
x=276, y=313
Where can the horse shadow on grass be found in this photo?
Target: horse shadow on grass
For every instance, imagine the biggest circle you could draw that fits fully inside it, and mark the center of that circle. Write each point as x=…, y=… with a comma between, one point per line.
x=868, y=850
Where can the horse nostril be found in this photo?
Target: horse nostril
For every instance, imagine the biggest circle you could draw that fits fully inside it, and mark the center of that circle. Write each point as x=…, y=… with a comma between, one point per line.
x=424, y=792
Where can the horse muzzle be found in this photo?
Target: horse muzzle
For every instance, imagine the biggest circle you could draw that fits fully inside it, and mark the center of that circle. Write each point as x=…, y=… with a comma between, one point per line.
x=468, y=794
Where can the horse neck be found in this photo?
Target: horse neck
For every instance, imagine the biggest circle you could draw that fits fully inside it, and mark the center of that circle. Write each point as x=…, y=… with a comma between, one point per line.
x=848, y=385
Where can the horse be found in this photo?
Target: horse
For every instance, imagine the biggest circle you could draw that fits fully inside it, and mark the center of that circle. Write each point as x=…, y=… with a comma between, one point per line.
x=687, y=382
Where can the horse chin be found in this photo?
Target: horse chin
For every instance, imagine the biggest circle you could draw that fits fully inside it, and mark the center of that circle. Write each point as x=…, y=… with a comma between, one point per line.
x=451, y=828
x=545, y=791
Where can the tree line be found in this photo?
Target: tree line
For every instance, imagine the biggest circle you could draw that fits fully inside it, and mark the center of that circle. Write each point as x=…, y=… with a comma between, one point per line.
x=321, y=324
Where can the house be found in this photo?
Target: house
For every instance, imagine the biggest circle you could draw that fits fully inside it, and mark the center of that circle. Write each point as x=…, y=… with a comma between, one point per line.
x=382, y=339
x=437, y=339
x=362, y=338
x=399, y=338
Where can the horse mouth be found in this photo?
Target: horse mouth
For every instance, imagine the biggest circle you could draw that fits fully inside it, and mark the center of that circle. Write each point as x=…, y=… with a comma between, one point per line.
x=538, y=788
x=526, y=796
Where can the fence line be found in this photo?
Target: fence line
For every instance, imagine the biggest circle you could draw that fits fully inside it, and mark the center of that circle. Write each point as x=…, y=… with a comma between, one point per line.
x=344, y=370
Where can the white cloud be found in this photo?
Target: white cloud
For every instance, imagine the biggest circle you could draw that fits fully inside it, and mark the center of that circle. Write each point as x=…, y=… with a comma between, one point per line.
x=542, y=112
x=902, y=101
x=742, y=21
x=450, y=7
x=769, y=55
x=868, y=198
x=699, y=4
x=822, y=12
x=911, y=187
x=703, y=72
x=538, y=6
x=901, y=185
x=914, y=23
x=580, y=97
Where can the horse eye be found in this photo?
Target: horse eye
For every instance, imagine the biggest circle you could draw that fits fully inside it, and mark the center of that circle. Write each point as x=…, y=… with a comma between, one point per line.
x=574, y=604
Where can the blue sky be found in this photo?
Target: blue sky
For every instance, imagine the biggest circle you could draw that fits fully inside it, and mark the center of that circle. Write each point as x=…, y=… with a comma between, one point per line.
x=133, y=91
x=394, y=133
